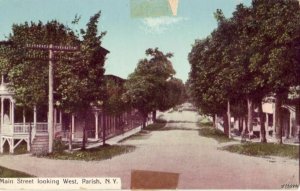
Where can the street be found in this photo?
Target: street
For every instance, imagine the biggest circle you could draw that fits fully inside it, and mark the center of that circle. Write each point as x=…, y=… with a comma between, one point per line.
x=180, y=149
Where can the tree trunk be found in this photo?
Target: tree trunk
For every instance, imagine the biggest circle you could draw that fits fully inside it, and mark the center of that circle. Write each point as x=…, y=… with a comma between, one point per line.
x=144, y=122
x=229, y=119
x=70, y=140
x=297, y=131
x=244, y=131
x=68, y=124
x=214, y=121
x=225, y=124
x=103, y=130
x=154, y=116
x=240, y=124
x=250, y=116
x=278, y=127
x=84, y=134
x=262, y=123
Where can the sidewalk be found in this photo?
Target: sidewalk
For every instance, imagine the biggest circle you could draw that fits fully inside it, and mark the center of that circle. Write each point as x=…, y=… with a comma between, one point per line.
x=116, y=139
x=269, y=140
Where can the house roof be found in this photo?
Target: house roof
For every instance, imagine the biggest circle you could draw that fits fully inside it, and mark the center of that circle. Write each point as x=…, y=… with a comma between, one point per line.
x=115, y=78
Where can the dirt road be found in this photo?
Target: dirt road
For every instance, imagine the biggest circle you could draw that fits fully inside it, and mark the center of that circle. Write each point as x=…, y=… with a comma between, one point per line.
x=197, y=159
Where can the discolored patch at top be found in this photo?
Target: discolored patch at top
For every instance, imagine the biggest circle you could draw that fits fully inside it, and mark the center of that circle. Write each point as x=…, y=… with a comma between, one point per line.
x=153, y=8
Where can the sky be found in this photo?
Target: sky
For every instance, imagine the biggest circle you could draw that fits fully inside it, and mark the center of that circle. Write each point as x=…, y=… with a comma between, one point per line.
x=127, y=36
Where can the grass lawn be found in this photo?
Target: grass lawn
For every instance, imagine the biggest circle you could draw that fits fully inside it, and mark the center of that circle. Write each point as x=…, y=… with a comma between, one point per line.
x=8, y=173
x=99, y=153
x=138, y=136
x=216, y=134
x=206, y=129
x=158, y=125
x=265, y=149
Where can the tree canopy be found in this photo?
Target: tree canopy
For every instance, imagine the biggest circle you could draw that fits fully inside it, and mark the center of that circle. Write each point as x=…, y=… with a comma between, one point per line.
x=146, y=87
x=248, y=56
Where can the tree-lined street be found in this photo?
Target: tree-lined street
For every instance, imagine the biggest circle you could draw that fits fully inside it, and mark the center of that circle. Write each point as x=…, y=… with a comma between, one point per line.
x=231, y=122
x=197, y=159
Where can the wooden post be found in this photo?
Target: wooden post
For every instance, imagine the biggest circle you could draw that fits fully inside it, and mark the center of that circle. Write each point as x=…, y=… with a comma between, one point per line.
x=51, y=49
x=50, y=104
x=2, y=112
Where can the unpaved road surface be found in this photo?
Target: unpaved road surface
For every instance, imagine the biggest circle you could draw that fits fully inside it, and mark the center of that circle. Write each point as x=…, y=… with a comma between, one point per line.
x=197, y=159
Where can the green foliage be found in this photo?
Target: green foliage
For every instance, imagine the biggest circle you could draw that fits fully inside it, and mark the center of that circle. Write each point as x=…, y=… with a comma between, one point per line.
x=81, y=83
x=94, y=154
x=20, y=149
x=8, y=173
x=113, y=102
x=156, y=126
x=149, y=87
x=58, y=146
x=263, y=149
x=77, y=83
x=248, y=55
x=29, y=78
x=174, y=94
x=207, y=130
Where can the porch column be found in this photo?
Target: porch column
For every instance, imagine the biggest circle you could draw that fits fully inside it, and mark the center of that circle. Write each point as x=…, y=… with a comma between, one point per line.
x=9, y=112
x=291, y=125
x=101, y=121
x=1, y=144
x=28, y=144
x=12, y=103
x=24, y=118
x=96, y=125
x=267, y=124
x=73, y=126
x=60, y=117
x=34, y=116
x=2, y=112
x=11, y=145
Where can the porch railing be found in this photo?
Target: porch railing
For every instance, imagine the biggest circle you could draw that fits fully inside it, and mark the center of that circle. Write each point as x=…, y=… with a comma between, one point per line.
x=20, y=128
x=41, y=127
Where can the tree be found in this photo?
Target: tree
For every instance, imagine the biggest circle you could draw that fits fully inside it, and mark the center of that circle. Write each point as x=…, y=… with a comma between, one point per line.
x=146, y=85
x=81, y=83
x=248, y=56
x=78, y=81
x=26, y=74
x=174, y=94
x=273, y=53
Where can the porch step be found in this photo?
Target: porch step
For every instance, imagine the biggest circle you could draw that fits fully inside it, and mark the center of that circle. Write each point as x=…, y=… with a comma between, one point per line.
x=40, y=144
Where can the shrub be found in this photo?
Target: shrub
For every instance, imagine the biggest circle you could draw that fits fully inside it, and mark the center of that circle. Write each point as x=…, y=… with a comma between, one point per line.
x=58, y=145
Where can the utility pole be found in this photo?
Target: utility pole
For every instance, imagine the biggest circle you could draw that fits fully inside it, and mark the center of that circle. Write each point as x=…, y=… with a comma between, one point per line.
x=51, y=48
